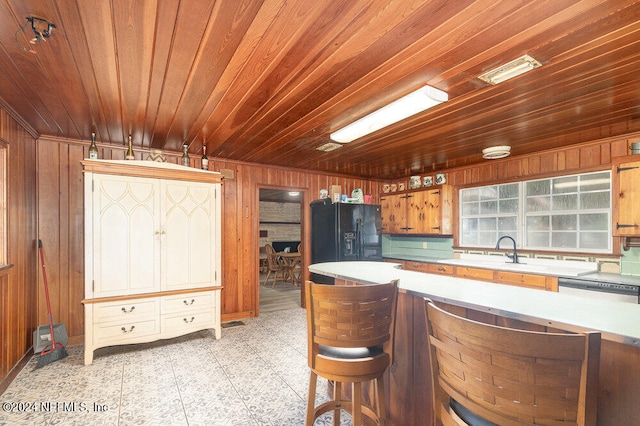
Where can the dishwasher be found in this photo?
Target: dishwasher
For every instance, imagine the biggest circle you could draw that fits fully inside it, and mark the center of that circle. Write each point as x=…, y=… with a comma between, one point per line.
x=599, y=289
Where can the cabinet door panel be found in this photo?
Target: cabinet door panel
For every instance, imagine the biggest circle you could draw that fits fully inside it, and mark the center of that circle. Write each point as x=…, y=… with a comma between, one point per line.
x=626, y=195
x=189, y=240
x=126, y=243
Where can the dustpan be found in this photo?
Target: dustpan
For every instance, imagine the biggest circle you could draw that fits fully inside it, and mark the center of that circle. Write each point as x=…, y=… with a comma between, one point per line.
x=42, y=336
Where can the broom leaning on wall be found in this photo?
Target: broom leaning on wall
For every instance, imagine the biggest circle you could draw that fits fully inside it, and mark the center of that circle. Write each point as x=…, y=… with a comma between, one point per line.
x=54, y=351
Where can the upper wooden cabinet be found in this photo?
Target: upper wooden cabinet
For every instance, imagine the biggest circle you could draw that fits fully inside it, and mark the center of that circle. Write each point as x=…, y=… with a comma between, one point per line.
x=418, y=212
x=626, y=197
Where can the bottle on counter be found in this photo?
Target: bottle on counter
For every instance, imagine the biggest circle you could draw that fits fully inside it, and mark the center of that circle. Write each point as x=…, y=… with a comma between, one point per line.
x=205, y=160
x=93, y=149
x=185, y=155
x=129, y=155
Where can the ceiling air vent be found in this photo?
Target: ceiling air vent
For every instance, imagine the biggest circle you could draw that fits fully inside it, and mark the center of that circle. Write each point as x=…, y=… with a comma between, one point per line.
x=512, y=69
x=329, y=146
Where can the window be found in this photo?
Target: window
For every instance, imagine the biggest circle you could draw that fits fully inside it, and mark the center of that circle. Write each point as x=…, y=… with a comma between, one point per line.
x=568, y=213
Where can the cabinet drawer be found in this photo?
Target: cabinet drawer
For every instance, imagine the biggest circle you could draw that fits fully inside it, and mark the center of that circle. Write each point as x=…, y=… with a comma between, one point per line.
x=522, y=280
x=189, y=302
x=416, y=266
x=438, y=268
x=125, y=331
x=131, y=310
x=476, y=273
x=187, y=321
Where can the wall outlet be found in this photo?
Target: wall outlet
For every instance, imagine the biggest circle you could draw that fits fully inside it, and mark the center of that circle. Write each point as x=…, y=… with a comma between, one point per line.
x=424, y=245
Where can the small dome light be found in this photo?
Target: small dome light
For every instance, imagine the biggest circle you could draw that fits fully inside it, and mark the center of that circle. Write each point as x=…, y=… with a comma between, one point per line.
x=495, y=152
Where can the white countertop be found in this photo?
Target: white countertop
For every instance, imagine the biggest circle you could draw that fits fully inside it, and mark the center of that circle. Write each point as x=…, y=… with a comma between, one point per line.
x=617, y=321
x=567, y=268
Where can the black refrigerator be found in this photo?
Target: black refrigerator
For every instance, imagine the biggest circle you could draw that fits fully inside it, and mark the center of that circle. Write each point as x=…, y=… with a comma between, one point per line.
x=344, y=232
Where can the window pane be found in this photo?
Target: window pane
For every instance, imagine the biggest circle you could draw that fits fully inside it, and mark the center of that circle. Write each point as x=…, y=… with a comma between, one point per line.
x=591, y=222
x=595, y=200
x=469, y=209
x=488, y=193
x=594, y=240
x=488, y=224
x=488, y=207
x=595, y=182
x=470, y=224
x=538, y=187
x=538, y=223
x=487, y=239
x=565, y=185
x=564, y=239
x=470, y=194
x=509, y=223
x=509, y=191
x=538, y=204
x=508, y=206
x=565, y=222
x=538, y=239
x=565, y=202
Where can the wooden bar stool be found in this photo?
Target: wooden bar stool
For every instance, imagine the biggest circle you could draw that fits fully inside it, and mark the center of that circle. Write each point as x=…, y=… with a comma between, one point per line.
x=350, y=338
x=485, y=374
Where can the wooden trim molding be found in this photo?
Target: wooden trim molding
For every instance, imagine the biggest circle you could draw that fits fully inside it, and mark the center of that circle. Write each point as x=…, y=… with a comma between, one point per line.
x=150, y=169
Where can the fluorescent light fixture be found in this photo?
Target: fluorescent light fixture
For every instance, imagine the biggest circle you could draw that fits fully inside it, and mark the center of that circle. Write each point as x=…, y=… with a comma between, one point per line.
x=294, y=193
x=512, y=69
x=411, y=104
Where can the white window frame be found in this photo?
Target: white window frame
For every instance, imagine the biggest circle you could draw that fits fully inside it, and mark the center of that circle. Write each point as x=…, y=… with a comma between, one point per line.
x=520, y=234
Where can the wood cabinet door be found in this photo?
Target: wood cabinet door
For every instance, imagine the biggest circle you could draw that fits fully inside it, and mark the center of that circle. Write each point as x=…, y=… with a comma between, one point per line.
x=432, y=223
x=189, y=235
x=417, y=213
x=626, y=199
x=126, y=236
x=393, y=211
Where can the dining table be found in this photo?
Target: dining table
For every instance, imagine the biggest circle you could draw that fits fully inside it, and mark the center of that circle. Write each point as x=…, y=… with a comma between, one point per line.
x=290, y=260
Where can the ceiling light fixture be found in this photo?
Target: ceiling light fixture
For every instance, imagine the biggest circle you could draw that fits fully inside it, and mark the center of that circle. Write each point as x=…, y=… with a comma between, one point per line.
x=294, y=193
x=495, y=152
x=411, y=104
x=329, y=146
x=41, y=30
x=512, y=69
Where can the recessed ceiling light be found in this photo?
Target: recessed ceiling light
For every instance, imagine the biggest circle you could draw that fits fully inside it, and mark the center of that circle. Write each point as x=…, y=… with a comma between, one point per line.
x=495, y=152
x=512, y=69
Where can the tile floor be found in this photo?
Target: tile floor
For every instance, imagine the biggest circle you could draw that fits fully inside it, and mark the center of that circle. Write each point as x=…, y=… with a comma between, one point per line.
x=256, y=374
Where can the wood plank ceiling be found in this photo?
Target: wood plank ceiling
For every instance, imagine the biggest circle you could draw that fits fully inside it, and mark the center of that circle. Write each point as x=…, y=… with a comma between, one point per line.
x=267, y=80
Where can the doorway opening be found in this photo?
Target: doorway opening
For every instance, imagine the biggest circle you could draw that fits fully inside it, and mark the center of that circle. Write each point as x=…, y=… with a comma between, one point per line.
x=281, y=227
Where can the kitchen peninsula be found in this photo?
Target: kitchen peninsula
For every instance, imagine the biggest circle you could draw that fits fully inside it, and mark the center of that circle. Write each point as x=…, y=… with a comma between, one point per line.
x=410, y=390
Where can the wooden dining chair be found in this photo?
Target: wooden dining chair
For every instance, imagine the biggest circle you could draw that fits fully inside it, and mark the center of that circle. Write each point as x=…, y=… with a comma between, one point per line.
x=485, y=374
x=296, y=267
x=350, y=332
x=275, y=266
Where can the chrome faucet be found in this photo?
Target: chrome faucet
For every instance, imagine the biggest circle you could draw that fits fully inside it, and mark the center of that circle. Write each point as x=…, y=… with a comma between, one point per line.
x=514, y=256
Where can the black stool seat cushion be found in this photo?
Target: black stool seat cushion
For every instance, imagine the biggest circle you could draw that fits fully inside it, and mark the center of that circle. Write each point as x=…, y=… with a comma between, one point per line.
x=349, y=353
x=471, y=418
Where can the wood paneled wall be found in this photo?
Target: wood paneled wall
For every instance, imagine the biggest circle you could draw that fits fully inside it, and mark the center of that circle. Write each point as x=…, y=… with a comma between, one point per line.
x=19, y=281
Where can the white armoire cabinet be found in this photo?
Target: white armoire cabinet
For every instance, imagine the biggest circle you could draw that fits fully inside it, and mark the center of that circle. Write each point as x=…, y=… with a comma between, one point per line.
x=152, y=252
